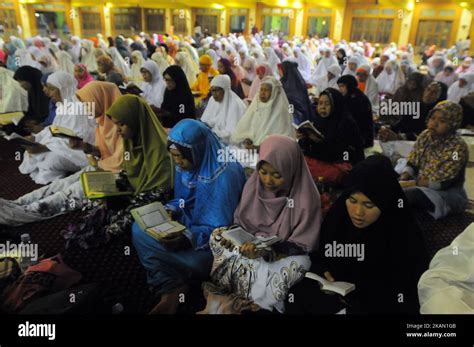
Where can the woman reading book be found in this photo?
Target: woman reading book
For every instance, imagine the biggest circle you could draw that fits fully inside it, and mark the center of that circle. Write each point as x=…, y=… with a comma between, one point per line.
x=30, y=79
x=372, y=215
x=341, y=142
x=52, y=158
x=279, y=199
x=268, y=114
x=65, y=195
x=153, y=85
x=206, y=193
x=437, y=164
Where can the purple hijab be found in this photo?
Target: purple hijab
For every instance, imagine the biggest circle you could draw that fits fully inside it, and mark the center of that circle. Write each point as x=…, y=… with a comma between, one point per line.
x=265, y=213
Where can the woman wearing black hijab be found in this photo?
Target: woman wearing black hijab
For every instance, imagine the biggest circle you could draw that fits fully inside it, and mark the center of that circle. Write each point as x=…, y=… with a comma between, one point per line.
x=413, y=88
x=38, y=103
x=342, y=59
x=151, y=48
x=359, y=106
x=225, y=68
x=342, y=141
x=296, y=91
x=410, y=126
x=373, y=217
x=123, y=50
x=178, y=101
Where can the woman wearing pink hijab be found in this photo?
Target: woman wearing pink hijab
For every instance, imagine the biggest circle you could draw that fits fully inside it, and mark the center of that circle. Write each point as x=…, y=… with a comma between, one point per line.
x=279, y=200
x=263, y=71
x=82, y=75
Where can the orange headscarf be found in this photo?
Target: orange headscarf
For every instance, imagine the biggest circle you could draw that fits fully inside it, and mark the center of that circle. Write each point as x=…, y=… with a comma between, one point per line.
x=103, y=95
x=361, y=85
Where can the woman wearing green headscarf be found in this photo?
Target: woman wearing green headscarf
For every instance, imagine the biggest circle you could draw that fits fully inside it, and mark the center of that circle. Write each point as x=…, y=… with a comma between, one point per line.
x=146, y=158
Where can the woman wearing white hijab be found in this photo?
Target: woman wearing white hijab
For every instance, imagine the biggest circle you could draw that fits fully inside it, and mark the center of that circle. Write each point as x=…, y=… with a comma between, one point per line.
x=63, y=59
x=371, y=89
x=326, y=61
x=158, y=58
x=391, y=78
x=137, y=62
x=307, y=52
x=87, y=55
x=192, y=52
x=351, y=67
x=48, y=64
x=153, y=85
x=119, y=62
x=190, y=69
x=258, y=56
x=267, y=114
x=215, y=58
x=273, y=61
x=330, y=80
x=53, y=159
x=447, y=287
x=224, y=109
x=14, y=97
x=462, y=87
x=75, y=50
x=304, y=65
x=287, y=50
x=28, y=56
x=250, y=68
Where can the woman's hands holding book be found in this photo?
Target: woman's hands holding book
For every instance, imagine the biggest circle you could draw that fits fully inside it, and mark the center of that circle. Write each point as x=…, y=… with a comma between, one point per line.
x=329, y=276
x=249, y=250
x=301, y=134
x=33, y=126
x=76, y=143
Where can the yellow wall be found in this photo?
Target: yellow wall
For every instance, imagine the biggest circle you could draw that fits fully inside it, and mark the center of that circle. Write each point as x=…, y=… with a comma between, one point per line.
x=405, y=27
x=464, y=25
x=471, y=35
x=338, y=21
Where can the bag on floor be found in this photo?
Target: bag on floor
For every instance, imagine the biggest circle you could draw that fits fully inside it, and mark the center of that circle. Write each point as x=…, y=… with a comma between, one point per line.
x=46, y=277
x=80, y=299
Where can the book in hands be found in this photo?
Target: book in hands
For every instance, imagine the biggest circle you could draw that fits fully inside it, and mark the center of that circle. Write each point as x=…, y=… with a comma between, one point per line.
x=462, y=132
x=341, y=288
x=130, y=88
x=20, y=140
x=306, y=127
x=58, y=131
x=155, y=221
x=239, y=236
x=11, y=118
x=406, y=184
x=101, y=184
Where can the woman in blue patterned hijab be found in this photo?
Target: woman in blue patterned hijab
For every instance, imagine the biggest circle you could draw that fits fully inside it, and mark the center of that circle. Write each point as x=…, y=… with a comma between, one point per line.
x=207, y=190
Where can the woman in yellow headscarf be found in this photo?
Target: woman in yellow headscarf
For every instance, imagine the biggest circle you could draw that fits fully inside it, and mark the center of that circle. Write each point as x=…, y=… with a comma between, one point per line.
x=148, y=163
x=203, y=84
